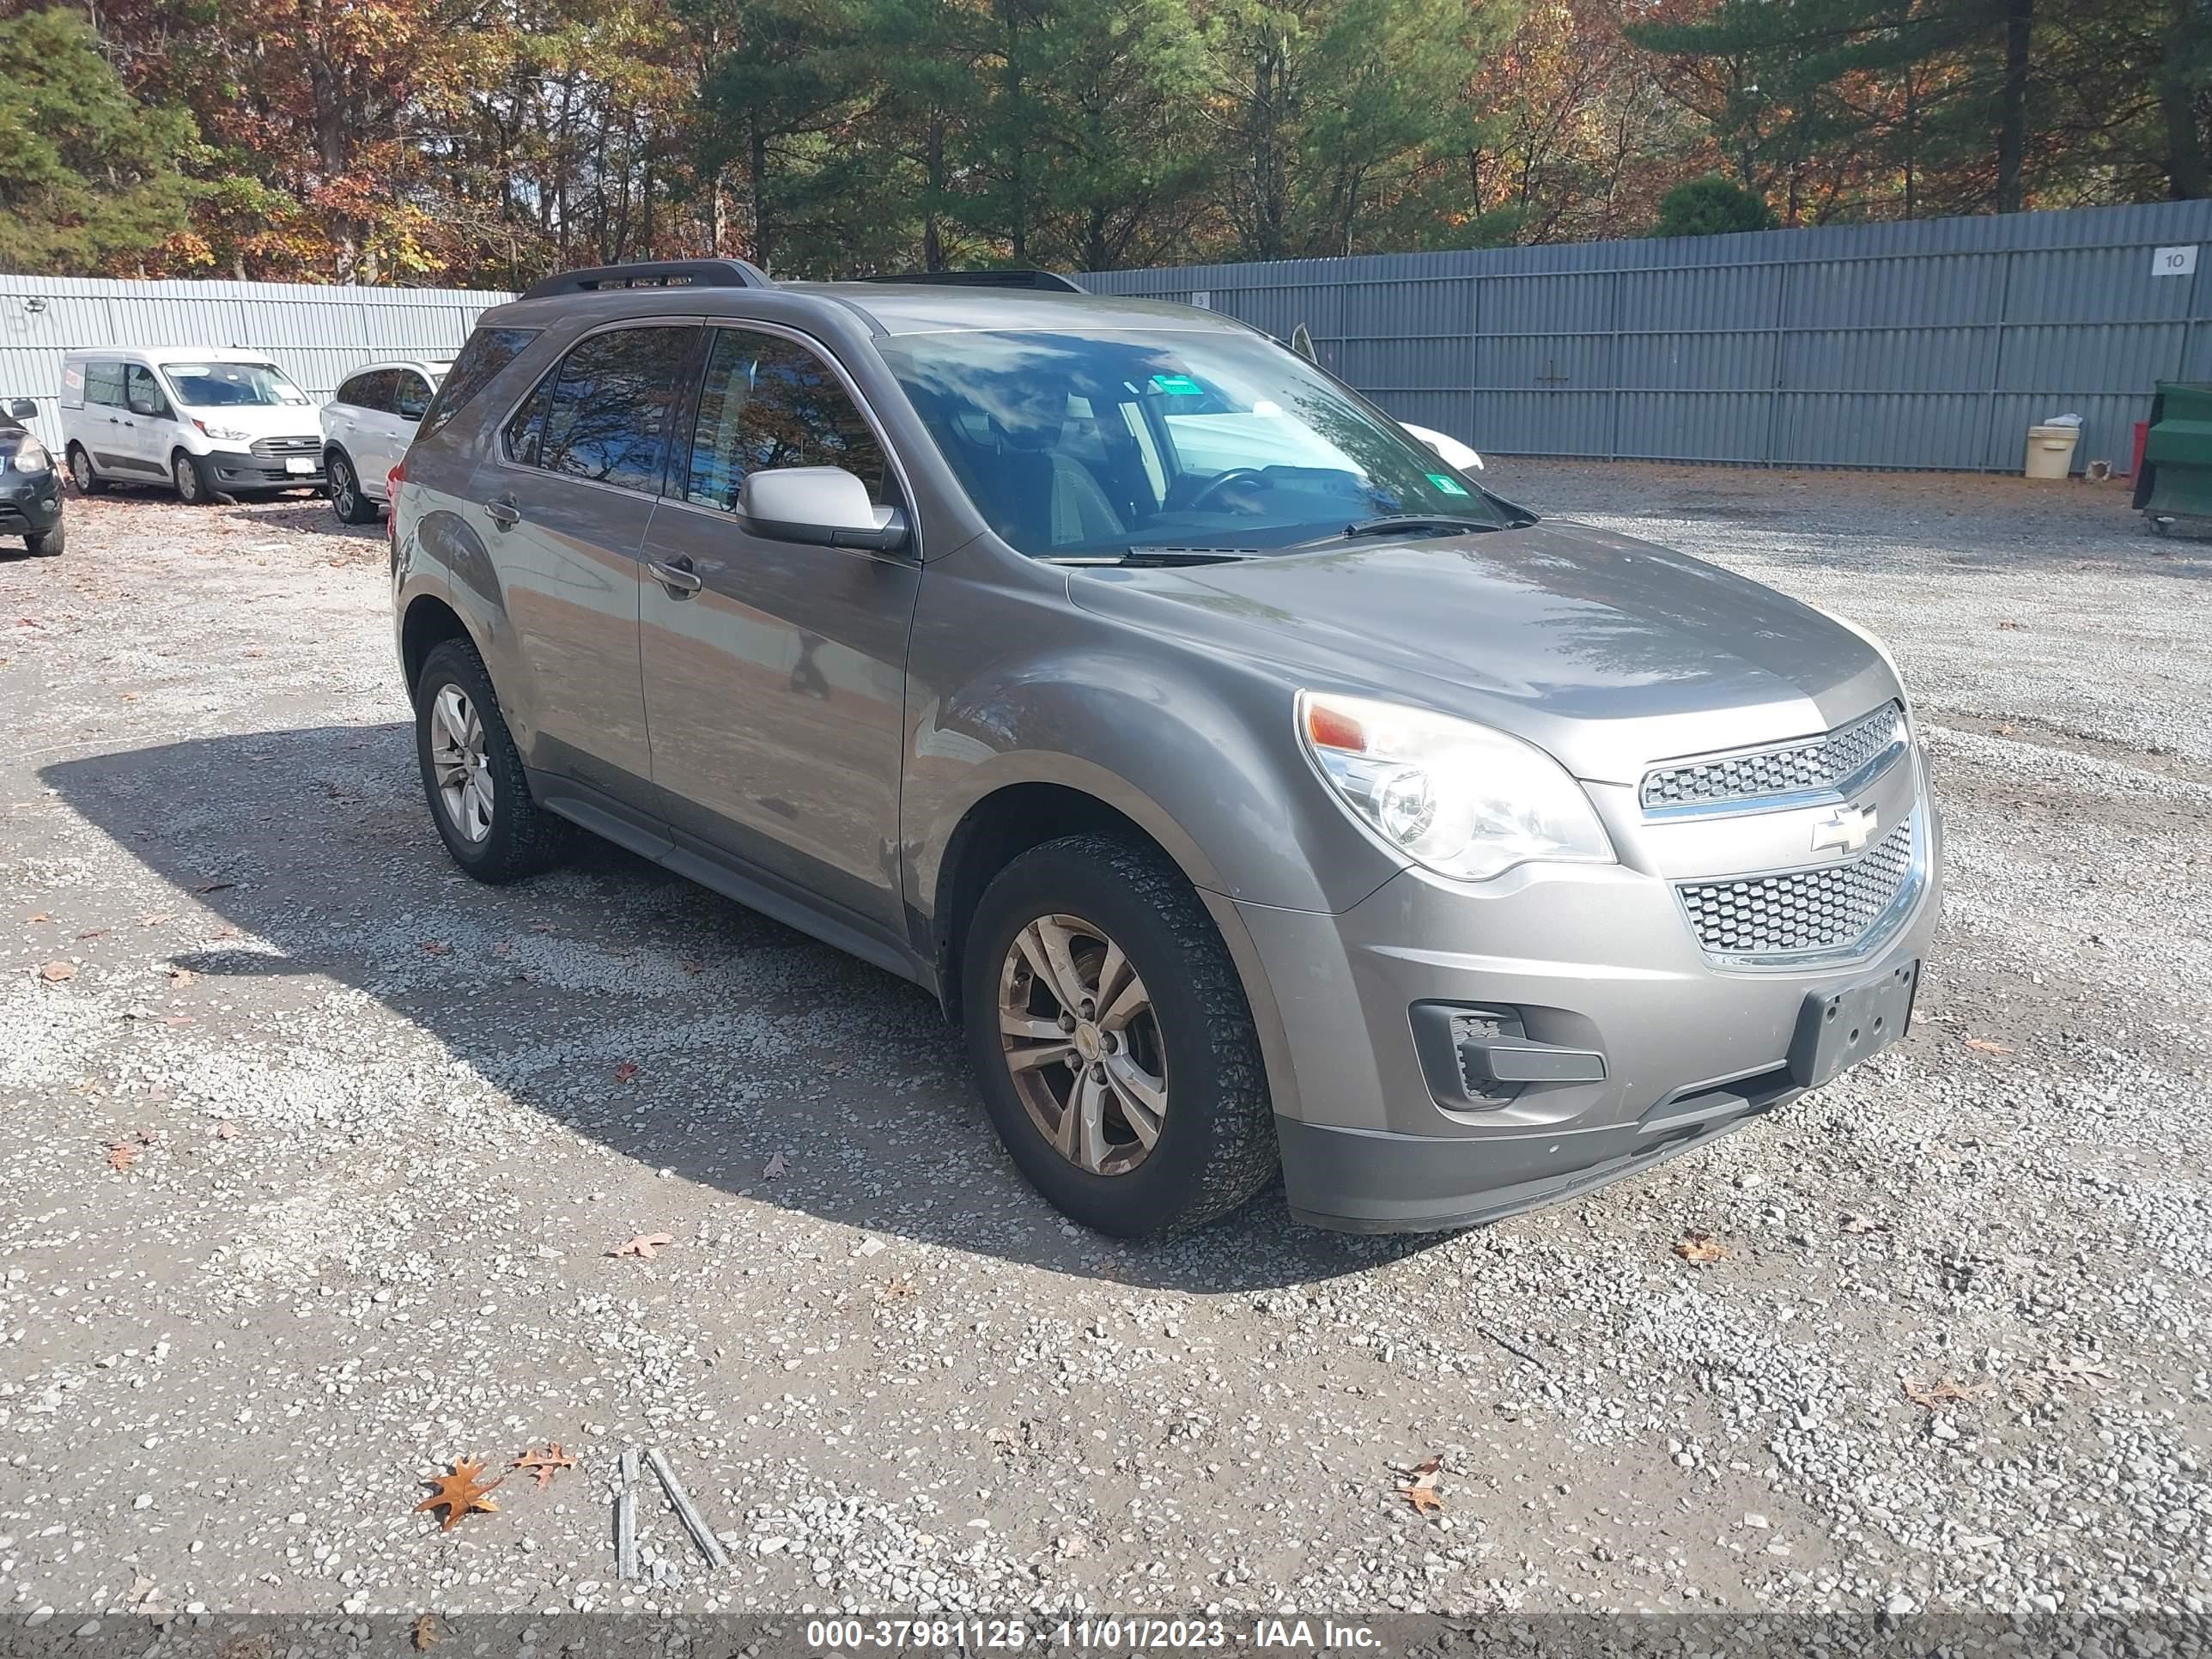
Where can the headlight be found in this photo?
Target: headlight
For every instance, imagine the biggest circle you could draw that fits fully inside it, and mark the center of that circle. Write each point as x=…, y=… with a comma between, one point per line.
x=31, y=458
x=224, y=434
x=1458, y=799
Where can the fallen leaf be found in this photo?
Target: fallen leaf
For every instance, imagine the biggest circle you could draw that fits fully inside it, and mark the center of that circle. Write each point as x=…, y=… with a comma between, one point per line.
x=1699, y=1249
x=545, y=1462
x=226, y=1130
x=895, y=1290
x=437, y=947
x=214, y=886
x=2077, y=1371
x=42, y=916
x=182, y=977
x=458, y=1493
x=776, y=1166
x=1943, y=1393
x=645, y=1244
x=2012, y=627
x=691, y=967
x=625, y=1072
x=1851, y=1222
x=55, y=972
x=224, y=931
x=425, y=1633
x=121, y=1155
x=541, y=926
x=1420, y=1488
x=1983, y=1046
x=154, y=919
x=2006, y=731
x=96, y=932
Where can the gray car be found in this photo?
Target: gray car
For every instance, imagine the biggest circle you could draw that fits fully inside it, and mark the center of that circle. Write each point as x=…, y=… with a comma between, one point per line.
x=1258, y=794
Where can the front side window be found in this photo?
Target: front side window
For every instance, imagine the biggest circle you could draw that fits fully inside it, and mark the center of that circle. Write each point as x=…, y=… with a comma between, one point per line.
x=142, y=393
x=232, y=386
x=486, y=352
x=1100, y=442
x=767, y=402
x=369, y=390
x=605, y=413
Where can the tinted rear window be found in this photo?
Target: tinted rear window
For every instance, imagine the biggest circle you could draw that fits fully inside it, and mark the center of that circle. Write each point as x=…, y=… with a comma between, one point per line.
x=487, y=351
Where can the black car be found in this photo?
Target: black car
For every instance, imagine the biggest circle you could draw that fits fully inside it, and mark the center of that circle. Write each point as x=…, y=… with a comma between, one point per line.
x=30, y=489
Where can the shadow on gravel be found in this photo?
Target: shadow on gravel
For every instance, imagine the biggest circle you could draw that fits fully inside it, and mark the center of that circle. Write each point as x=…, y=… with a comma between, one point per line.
x=748, y=1039
x=300, y=515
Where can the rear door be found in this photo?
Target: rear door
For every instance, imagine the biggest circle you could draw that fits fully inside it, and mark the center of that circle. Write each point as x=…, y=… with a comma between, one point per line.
x=568, y=488
x=410, y=399
x=108, y=427
x=776, y=674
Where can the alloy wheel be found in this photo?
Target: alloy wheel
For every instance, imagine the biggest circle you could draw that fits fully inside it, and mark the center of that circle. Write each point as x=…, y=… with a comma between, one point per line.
x=1083, y=1044
x=458, y=760
x=342, y=500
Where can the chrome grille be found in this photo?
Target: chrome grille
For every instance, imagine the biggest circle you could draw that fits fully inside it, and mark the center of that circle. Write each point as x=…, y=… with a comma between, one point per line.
x=1826, y=762
x=280, y=446
x=1831, y=908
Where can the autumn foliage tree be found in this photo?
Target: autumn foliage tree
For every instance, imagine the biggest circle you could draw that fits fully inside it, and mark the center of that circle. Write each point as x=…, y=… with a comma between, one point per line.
x=453, y=142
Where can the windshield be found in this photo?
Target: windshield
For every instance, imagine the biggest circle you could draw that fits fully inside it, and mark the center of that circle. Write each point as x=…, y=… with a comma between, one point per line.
x=1099, y=443
x=226, y=385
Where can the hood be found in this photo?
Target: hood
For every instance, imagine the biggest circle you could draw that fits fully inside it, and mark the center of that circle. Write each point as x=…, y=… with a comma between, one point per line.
x=1606, y=651
x=261, y=420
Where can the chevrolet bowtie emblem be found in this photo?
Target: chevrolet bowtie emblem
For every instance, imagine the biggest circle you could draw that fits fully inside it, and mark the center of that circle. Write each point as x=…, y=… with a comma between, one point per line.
x=1847, y=829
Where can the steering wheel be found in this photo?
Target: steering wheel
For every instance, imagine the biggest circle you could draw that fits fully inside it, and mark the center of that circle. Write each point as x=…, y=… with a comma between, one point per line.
x=1201, y=501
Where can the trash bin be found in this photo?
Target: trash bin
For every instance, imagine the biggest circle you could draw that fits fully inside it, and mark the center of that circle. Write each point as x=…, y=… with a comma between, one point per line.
x=2051, y=451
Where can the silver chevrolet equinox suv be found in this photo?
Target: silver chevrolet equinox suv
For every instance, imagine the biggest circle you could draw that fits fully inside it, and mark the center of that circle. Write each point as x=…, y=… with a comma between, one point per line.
x=1258, y=793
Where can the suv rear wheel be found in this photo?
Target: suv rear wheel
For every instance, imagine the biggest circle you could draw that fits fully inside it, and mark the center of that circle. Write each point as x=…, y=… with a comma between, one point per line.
x=1113, y=1039
x=473, y=775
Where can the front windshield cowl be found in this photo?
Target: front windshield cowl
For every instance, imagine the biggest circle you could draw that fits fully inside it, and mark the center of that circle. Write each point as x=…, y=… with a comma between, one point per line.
x=1101, y=443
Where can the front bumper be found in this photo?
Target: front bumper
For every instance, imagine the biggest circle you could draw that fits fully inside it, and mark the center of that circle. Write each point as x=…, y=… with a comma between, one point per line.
x=29, y=505
x=1597, y=960
x=242, y=470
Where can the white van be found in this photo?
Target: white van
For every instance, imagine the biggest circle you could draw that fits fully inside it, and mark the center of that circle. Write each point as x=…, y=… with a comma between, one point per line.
x=203, y=419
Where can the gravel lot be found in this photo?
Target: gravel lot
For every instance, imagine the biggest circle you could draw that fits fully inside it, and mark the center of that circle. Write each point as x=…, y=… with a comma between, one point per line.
x=382, y=1129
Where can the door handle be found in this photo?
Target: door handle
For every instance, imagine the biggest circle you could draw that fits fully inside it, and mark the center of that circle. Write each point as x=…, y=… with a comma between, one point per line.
x=503, y=512
x=677, y=575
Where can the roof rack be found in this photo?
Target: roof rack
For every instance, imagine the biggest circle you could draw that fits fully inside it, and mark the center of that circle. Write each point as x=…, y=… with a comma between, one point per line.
x=1051, y=281
x=654, y=273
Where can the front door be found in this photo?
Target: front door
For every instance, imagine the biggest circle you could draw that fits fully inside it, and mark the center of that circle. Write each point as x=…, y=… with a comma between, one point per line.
x=566, y=495
x=776, y=690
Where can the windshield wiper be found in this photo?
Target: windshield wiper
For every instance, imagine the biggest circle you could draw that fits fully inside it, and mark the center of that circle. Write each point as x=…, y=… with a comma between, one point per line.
x=1156, y=555
x=1440, y=523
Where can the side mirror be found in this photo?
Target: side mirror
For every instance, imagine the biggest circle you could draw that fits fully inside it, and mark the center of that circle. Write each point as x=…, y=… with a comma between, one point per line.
x=22, y=409
x=1451, y=451
x=819, y=507
x=146, y=407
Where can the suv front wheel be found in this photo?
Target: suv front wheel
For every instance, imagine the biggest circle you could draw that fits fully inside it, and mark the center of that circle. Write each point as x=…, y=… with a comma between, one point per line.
x=473, y=775
x=1113, y=1039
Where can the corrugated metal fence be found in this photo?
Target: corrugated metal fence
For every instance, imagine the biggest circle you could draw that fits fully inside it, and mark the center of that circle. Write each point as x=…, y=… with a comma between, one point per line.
x=313, y=334
x=1933, y=343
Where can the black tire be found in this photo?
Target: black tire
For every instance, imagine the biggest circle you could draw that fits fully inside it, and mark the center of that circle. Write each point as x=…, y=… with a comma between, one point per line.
x=51, y=543
x=348, y=499
x=524, y=838
x=193, y=486
x=87, y=482
x=1217, y=1141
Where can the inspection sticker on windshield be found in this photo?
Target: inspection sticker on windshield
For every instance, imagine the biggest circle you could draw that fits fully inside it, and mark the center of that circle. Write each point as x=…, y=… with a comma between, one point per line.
x=1178, y=386
x=1448, y=484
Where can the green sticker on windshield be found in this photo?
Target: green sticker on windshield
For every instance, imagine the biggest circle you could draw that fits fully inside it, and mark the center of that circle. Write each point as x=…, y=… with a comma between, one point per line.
x=1448, y=484
x=1178, y=386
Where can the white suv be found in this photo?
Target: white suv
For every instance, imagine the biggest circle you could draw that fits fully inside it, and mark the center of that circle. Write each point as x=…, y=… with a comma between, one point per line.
x=367, y=428
x=208, y=420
